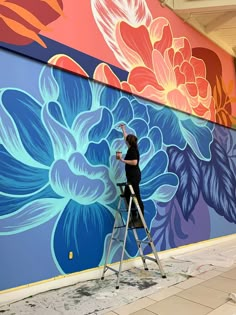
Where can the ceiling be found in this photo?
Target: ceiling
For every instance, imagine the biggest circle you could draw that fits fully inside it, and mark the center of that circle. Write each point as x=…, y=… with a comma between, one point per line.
x=216, y=19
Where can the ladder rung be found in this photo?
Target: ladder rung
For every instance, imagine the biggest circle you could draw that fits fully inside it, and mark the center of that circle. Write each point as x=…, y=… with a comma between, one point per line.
x=117, y=239
x=150, y=258
x=121, y=184
x=122, y=210
x=119, y=227
x=112, y=269
x=145, y=242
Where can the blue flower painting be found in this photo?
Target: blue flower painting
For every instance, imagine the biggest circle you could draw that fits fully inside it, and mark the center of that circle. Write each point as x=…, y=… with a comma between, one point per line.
x=58, y=163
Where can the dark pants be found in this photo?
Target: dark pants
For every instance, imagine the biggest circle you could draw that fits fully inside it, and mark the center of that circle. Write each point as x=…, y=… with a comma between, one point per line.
x=135, y=185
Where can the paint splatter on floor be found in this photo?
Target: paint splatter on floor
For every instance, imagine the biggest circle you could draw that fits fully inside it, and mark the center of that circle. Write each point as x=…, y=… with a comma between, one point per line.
x=97, y=297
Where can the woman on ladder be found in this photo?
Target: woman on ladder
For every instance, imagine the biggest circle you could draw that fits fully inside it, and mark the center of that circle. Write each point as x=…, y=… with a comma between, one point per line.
x=133, y=175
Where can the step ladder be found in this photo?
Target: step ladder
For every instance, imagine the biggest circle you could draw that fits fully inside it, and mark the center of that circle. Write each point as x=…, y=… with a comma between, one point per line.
x=122, y=223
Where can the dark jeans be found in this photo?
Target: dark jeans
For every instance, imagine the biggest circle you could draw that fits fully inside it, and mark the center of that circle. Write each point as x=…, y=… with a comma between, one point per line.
x=135, y=185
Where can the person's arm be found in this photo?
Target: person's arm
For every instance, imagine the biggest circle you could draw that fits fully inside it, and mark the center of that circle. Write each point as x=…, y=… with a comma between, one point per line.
x=129, y=162
x=122, y=126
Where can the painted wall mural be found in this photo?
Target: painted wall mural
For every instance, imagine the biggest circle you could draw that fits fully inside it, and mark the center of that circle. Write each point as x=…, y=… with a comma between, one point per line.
x=58, y=139
x=161, y=58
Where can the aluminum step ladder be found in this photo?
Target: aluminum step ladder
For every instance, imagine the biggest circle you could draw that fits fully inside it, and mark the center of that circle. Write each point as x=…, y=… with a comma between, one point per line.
x=127, y=224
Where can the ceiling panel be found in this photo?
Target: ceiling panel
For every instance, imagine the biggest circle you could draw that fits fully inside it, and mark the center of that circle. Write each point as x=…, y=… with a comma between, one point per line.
x=216, y=19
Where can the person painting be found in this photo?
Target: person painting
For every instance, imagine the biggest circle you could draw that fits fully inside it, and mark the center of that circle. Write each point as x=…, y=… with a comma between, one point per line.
x=133, y=174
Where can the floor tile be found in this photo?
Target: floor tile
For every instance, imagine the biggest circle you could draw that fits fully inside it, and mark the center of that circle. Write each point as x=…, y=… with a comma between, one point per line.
x=164, y=293
x=143, y=312
x=176, y=305
x=221, y=283
x=110, y=313
x=224, y=269
x=205, y=296
x=226, y=309
x=231, y=274
x=189, y=283
x=209, y=274
x=134, y=307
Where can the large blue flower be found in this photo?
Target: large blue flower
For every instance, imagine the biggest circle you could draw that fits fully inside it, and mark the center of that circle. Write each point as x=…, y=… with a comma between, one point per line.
x=58, y=159
x=181, y=129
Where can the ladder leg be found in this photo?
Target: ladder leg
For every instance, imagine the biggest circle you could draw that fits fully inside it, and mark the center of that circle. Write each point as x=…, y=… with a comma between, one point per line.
x=147, y=233
x=111, y=240
x=124, y=244
x=140, y=249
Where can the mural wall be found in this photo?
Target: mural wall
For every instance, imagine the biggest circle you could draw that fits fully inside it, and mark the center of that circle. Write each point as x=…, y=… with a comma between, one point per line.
x=58, y=172
x=139, y=46
x=59, y=132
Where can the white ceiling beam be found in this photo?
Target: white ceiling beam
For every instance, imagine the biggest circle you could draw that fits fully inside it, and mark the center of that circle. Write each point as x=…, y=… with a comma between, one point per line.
x=200, y=5
x=213, y=37
x=222, y=19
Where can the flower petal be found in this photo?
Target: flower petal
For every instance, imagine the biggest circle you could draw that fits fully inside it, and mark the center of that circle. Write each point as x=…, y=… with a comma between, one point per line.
x=157, y=29
x=104, y=74
x=165, y=42
x=179, y=100
x=161, y=188
x=156, y=166
x=171, y=135
x=102, y=128
x=77, y=187
x=82, y=125
x=75, y=95
x=31, y=215
x=164, y=74
x=140, y=109
x=123, y=111
x=156, y=137
x=63, y=141
x=110, y=97
x=66, y=62
x=139, y=77
x=18, y=178
x=137, y=47
x=199, y=67
x=108, y=14
x=80, y=166
x=199, y=138
x=144, y=146
x=98, y=153
x=25, y=112
x=10, y=204
x=140, y=127
x=82, y=230
x=48, y=86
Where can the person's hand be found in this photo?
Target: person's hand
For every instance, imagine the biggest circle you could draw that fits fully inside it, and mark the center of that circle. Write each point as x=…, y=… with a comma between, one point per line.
x=122, y=126
x=118, y=155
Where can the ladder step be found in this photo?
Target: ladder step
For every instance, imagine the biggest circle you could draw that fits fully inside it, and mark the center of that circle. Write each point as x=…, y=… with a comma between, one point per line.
x=150, y=258
x=117, y=239
x=112, y=269
x=144, y=242
x=119, y=227
x=121, y=184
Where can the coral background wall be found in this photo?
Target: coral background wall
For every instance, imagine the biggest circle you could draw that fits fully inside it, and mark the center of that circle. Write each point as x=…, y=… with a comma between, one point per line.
x=58, y=136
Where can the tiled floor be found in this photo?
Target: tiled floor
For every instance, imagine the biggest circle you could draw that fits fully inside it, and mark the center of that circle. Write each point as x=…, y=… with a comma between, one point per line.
x=207, y=293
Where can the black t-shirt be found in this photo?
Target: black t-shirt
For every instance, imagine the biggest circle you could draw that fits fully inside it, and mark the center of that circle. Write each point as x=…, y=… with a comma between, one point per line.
x=132, y=171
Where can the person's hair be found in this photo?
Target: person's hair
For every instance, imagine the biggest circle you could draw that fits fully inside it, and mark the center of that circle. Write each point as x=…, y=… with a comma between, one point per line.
x=132, y=140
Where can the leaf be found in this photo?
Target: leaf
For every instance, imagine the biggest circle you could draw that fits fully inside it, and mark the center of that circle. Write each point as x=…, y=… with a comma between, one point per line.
x=230, y=86
x=186, y=166
x=21, y=30
x=108, y=14
x=218, y=185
